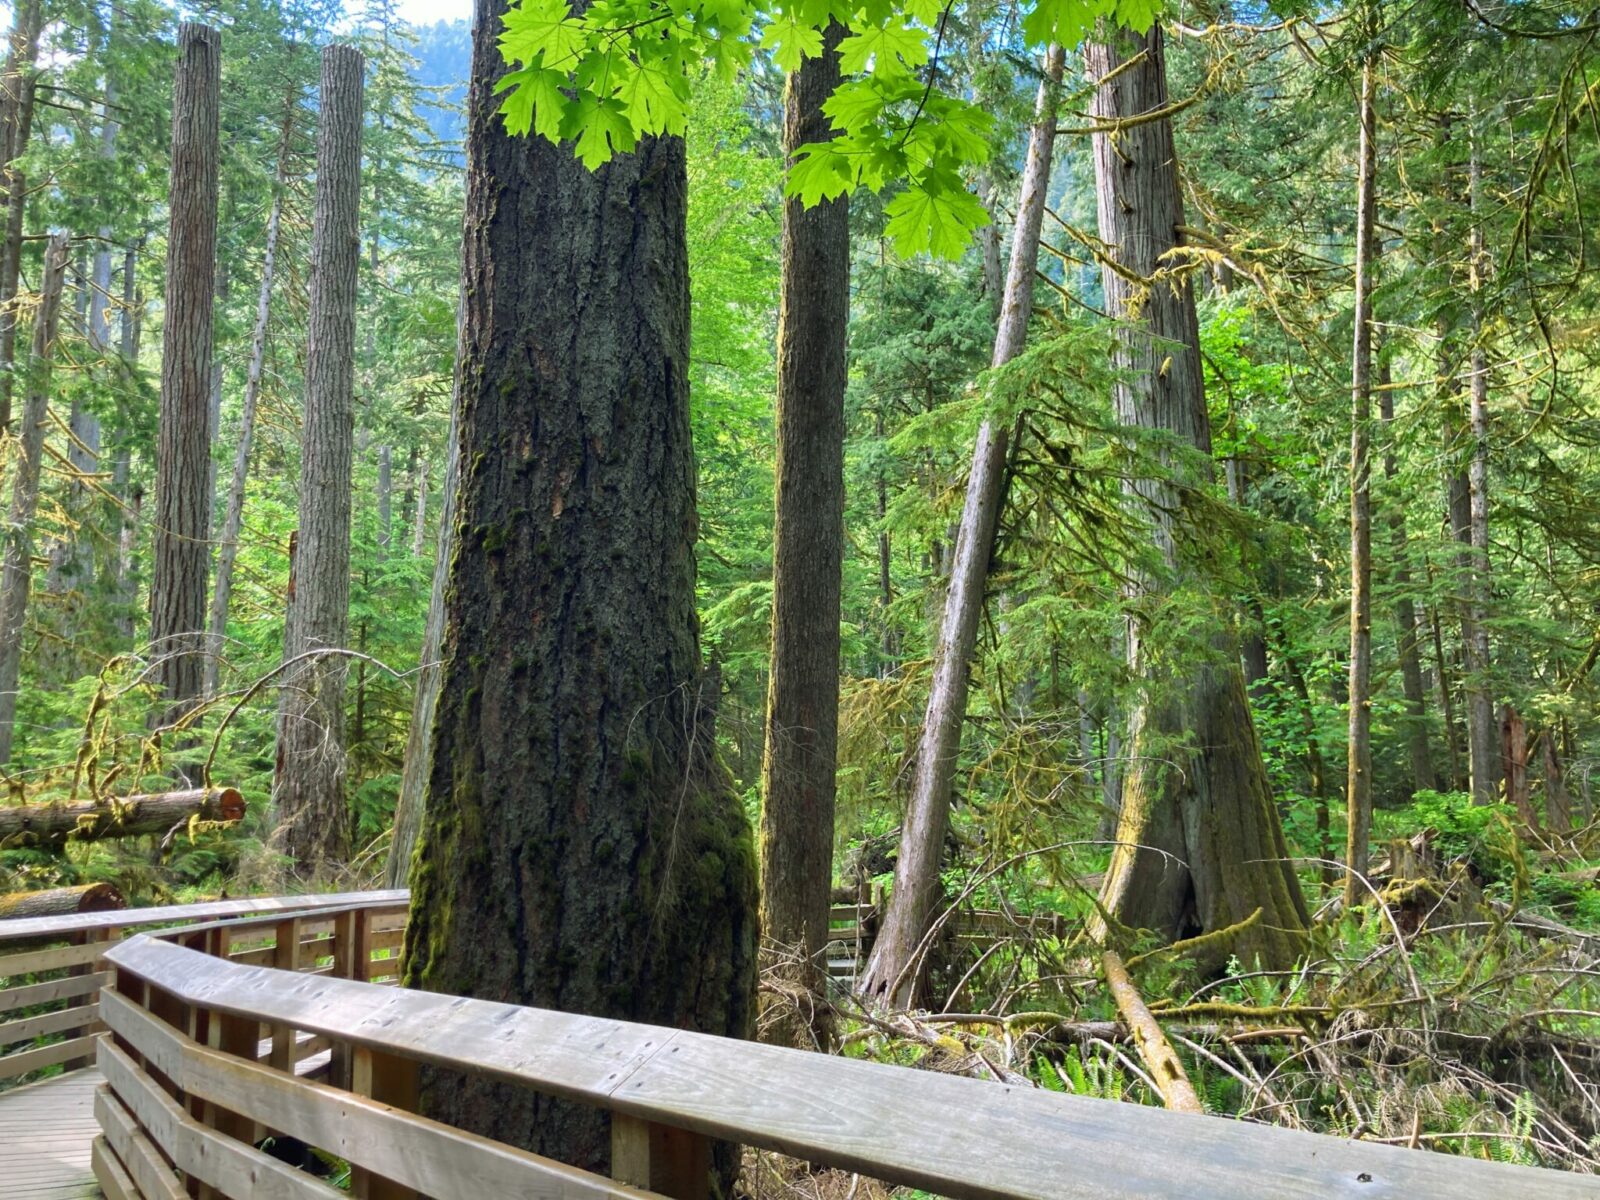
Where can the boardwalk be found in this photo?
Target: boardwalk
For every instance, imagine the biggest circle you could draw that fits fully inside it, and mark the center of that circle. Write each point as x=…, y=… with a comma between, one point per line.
x=45, y=1132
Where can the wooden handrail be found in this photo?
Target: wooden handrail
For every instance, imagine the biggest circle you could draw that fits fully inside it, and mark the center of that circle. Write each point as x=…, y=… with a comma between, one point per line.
x=194, y=1019
x=33, y=928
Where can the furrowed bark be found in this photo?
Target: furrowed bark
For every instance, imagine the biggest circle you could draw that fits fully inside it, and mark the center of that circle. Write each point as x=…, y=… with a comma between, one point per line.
x=802, y=719
x=16, y=125
x=891, y=973
x=17, y=573
x=183, y=452
x=1358, y=786
x=1199, y=846
x=582, y=848
x=308, y=785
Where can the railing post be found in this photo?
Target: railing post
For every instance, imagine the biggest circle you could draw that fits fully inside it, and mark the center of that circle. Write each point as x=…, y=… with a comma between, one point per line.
x=285, y=957
x=92, y=936
x=660, y=1158
x=391, y=1080
x=346, y=953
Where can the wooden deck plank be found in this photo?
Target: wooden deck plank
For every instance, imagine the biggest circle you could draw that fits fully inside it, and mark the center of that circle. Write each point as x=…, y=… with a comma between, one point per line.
x=47, y=1130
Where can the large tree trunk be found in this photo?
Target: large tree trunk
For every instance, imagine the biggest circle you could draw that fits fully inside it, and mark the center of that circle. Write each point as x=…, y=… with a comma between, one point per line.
x=1358, y=785
x=802, y=722
x=893, y=972
x=16, y=125
x=183, y=452
x=18, y=570
x=582, y=848
x=233, y=518
x=1200, y=847
x=309, y=782
x=125, y=816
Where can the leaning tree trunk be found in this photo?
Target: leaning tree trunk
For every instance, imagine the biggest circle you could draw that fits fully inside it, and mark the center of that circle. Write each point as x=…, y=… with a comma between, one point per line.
x=894, y=971
x=183, y=451
x=18, y=570
x=309, y=782
x=582, y=848
x=1199, y=844
x=233, y=520
x=802, y=722
x=16, y=125
x=1358, y=785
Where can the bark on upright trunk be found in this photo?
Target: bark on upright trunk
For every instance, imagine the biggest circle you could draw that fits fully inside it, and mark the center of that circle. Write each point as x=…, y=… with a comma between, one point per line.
x=893, y=972
x=309, y=781
x=1358, y=785
x=183, y=451
x=17, y=572
x=1200, y=847
x=16, y=125
x=233, y=518
x=582, y=849
x=802, y=720
x=1405, y=610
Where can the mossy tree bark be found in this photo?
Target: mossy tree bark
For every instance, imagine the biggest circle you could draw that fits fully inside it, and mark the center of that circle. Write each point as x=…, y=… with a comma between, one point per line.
x=16, y=126
x=180, y=552
x=581, y=848
x=1200, y=846
x=802, y=721
x=309, y=782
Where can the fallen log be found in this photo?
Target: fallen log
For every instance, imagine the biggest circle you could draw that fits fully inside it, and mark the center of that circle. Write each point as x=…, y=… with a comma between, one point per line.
x=62, y=901
x=1165, y=1066
x=127, y=816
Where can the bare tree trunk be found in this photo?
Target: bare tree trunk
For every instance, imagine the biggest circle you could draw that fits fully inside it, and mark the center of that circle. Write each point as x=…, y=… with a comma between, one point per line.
x=1200, y=846
x=1557, y=800
x=18, y=570
x=16, y=124
x=124, y=588
x=309, y=780
x=1480, y=695
x=893, y=972
x=385, y=500
x=1416, y=694
x=418, y=763
x=1358, y=787
x=183, y=452
x=1514, y=765
x=802, y=719
x=233, y=518
x=419, y=522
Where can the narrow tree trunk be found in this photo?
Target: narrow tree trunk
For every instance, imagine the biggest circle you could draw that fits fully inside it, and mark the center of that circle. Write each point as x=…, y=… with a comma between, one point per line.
x=233, y=518
x=1480, y=694
x=16, y=125
x=1405, y=610
x=308, y=784
x=419, y=522
x=183, y=452
x=1557, y=800
x=1514, y=765
x=893, y=972
x=802, y=720
x=582, y=848
x=1200, y=846
x=1358, y=787
x=123, y=587
x=385, y=500
x=18, y=569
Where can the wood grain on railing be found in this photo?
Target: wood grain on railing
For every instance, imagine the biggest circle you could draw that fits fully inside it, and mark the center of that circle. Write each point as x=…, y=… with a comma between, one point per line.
x=670, y=1093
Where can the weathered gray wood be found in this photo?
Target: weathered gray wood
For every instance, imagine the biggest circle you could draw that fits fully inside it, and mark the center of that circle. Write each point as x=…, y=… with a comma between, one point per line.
x=432, y=1158
x=45, y=1133
x=233, y=1168
x=992, y=1141
x=23, y=1061
x=32, y=962
x=53, y=1022
x=143, y=1163
x=51, y=989
x=35, y=927
x=110, y=1174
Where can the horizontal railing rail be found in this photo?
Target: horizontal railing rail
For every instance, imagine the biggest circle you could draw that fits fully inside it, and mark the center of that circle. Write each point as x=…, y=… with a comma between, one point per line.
x=189, y=1098
x=51, y=969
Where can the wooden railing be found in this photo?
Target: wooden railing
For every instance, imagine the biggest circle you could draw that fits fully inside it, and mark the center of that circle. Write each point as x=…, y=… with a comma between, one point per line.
x=51, y=970
x=205, y=1062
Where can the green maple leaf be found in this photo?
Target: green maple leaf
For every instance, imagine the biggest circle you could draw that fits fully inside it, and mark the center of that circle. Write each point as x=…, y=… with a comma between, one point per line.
x=940, y=220
x=820, y=172
x=600, y=127
x=650, y=98
x=1064, y=22
x=546, y=27
x=795, y=42
x=892, y=49
x=535, y=102
x=855, y=104
x=1138, y=15
x=926, y=11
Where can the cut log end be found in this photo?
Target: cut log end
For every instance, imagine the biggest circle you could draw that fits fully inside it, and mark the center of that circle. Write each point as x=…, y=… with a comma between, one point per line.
x=62, y=902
